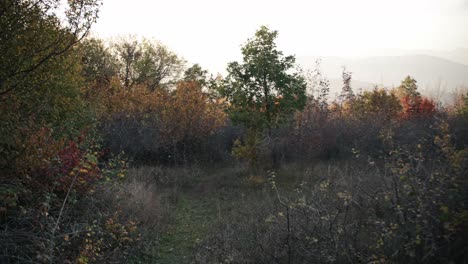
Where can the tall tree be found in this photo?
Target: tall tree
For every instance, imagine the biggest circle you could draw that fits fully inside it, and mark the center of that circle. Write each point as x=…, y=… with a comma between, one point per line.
x=196, y=73
x=414, y=105
x=99, y=65
x=148, y=63
x=265, y=87
x=127, y=51
x=39, y=70
x=158, y=67
x=408, y=87
x=36, y=32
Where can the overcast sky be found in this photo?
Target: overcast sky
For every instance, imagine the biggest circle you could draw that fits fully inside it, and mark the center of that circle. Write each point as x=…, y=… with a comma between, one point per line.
x=210, y=32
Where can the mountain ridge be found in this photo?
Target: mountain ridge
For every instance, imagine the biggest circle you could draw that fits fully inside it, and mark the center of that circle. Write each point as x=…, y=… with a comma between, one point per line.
x=434, y=75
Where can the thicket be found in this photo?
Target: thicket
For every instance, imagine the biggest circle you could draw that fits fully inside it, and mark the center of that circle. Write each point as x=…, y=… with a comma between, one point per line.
x=76, y=113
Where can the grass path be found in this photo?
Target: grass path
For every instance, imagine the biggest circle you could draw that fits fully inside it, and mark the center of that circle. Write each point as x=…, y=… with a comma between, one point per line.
x=194, y=216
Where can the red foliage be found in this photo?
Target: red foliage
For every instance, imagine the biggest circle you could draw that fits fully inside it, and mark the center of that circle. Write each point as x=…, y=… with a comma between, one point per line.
x=417, y=106
x=427, y=106
x=70, y=158
x=76, y=163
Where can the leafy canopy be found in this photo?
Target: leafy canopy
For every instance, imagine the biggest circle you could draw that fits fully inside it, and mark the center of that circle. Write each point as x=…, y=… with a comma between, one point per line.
x=408, y=87
x=147, y=63
x=266, y=87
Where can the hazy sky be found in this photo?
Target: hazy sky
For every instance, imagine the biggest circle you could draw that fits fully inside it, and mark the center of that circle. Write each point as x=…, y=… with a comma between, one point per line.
x=210, y=32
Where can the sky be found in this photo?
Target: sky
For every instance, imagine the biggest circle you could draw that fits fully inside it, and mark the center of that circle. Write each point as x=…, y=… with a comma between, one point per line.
x=210, y=32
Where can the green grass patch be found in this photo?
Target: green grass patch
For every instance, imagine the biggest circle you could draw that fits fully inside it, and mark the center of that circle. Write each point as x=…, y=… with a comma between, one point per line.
x=195, y=215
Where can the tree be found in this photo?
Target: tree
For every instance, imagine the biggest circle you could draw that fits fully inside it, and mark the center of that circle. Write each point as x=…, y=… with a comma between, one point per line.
x=462, y=108
x=99, y=65
x=34, y=33
x=318, y=88
x=378, y=104
x=417, y=107
x=40, y=70
x=412, y=102
x=158, y=67
x=347, y=93
x=265, y=87
x=41, y=108
x=147, y=63
x=196, y=73
x=408, y=87
x=315, y=112
x=127, y=52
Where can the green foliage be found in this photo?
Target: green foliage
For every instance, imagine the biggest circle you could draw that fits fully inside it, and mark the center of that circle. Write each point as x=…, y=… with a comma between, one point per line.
x=408, y=87
x=117, y=167
x=413, y=104
x=196, y=73
x=127, y=52
x=158, y=67
x=55, y=102
x=264, y=88
x=98, y=63
x=463, y=108
x=40, y=70
x=248, y=149
x=35, y=33
x=378, y=102
x=147, y=63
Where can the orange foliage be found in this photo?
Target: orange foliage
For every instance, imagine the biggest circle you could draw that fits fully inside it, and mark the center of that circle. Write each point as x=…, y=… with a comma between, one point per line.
x=194, y=114
x=184, y=113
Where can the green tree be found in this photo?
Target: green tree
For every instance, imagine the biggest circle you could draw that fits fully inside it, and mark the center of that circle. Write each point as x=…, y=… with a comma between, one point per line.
x=196, y=73
x=378, y=103
x=148, y=63
x=127, y=52
x=408, y=87
x=265, y=87
x=99, y=64
x=35, y=32
x=40, y=76
x=158, y=67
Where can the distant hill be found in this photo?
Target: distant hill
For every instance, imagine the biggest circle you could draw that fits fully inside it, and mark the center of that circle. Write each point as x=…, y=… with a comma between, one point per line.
x=459, y=55
x=436, y=76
